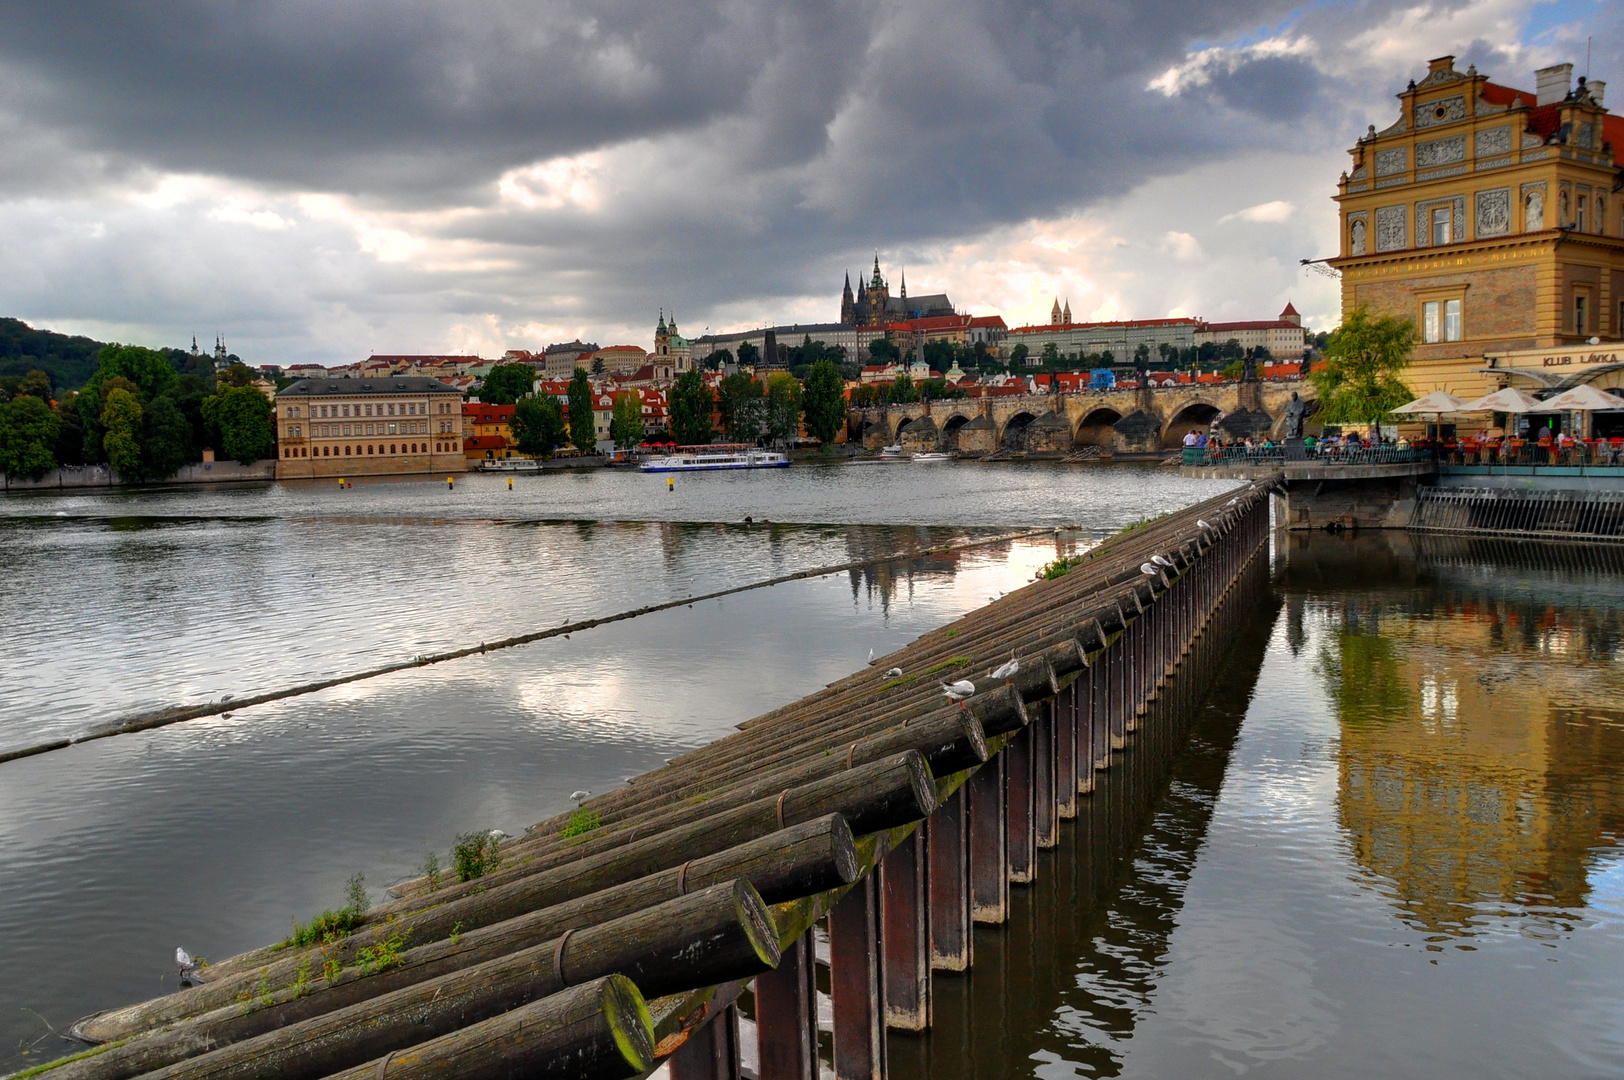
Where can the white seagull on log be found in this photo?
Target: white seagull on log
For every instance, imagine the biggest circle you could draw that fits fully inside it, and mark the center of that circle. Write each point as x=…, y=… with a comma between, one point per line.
x=1161, y=561
x=1202, y=523
x=958, y=691
x=580, y=796
x=1148, y=570
x=1008, y=669
x=188, y=966
x=498, y=835
x=894, y=673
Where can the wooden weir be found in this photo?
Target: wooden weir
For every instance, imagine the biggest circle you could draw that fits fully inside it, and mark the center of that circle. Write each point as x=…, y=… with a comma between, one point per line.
x=873, y=815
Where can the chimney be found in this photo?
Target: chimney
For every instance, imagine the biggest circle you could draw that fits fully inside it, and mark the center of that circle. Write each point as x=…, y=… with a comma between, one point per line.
x=1553, y=83
x=1597, y=88
x=1443, y=63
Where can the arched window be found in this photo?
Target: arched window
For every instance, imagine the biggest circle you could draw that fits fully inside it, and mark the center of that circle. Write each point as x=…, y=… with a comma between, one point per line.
x=347, y=451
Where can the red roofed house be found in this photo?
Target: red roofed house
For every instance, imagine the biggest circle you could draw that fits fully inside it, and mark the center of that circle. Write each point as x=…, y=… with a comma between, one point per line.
x=1283, y=337
x=486, y=432
x=1489, y=216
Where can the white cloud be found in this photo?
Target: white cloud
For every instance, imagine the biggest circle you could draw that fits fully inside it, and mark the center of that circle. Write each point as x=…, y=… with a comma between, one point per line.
x=1275, y=210
x=1181, y=245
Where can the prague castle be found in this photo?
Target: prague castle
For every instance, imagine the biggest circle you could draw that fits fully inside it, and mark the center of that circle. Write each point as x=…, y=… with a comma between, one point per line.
x=873, y=304
x=1491, y=218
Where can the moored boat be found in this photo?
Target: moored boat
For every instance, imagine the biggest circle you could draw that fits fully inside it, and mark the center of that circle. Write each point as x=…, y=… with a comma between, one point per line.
x=712, y=458
x=934, y=455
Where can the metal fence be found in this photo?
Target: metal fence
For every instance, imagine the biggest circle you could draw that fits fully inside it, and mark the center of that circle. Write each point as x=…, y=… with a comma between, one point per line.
x=1275, y=456
x=1597, y=514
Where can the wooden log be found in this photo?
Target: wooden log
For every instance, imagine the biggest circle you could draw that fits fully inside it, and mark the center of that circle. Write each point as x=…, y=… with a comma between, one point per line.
x=857, y=982
x=799, y=861
x=948, y=849
x=787, y=1015
x=724, y=932
x=597, y=1031
x=893, y=791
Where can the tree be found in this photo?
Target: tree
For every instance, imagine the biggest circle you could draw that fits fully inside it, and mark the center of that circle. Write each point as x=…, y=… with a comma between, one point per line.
x=691, y=409
x=1364, y=361
x=149, y=370
x=1051, y=356
x=538, y=426
x=235, y=375
x=715, y=360
x=883, y=351
x=749, y=355
x=1018, y=355
x=783, y=408
x=166, y=438
x=1141, y=355
x=507, y=383
x=70, y=437
x=823, y=399
x=28, y=433
x=35, y=384
x=583, y=427
x=626, y=422
x=240, y=417
x=742, y=402
x=121, y=432
x=903, y=391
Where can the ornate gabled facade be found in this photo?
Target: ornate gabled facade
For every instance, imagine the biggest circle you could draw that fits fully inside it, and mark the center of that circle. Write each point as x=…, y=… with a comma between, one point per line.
x=1490, y=217
x=873, y=304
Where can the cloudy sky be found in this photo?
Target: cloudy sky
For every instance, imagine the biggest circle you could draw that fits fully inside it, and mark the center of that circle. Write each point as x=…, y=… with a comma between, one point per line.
x=319, y=180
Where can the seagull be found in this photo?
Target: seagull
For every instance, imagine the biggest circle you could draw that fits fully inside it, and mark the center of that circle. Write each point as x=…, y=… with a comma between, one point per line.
x=225, y=716
x=580, y=796
x=871, y=656
x=1007, y=669
x=1233, y=501
x=958, y=691
x=1202, y=523
x=188, y=966
x=225, y=698
x=1161, y=561
x=498, y=835
x=1148, y=570
x=894, y=673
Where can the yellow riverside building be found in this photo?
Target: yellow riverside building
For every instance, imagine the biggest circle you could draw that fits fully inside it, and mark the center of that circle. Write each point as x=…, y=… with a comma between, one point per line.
x=368, y=427
x=1491, y=217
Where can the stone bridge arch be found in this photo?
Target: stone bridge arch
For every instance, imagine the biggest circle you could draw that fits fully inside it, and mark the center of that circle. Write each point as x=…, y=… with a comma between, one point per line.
x=1097, y=428
x=1193, y=413
x=951, y=428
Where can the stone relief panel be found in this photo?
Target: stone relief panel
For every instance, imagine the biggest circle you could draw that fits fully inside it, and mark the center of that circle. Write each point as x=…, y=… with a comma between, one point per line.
x=1532, y=142
x=1440, y=152
x=1392, y=161
x=1493, y=141
x=1443, y=111
x=1533, y=200
x=1360, y=173
x=1392, y=227
x=1584, y=135
x=1357, y=226
x=1494, y=212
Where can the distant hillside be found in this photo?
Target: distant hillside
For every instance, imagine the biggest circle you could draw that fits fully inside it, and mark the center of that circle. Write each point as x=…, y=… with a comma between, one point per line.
x=69, y=361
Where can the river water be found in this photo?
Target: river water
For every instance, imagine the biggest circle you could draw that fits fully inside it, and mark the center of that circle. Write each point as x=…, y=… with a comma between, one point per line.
x=1387, y=846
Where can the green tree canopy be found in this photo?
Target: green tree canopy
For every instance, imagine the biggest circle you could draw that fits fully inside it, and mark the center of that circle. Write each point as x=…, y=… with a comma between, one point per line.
x=749, y=355
x=149, y=370
x=507, y=383
x=903, y=391
x=583, y=432
x=240, y=416
x=691, y=409
x=783, y=408
x=35, y=384
x=538, y=426
x=166, y=438
x=28, y=434
x=742, y=402
x=121, y=432
x=1018, y=354
x=626, y=422
x=1365, y=359
x=823, y=398
x=883, y=351
x=238, y=374
x=715, y=360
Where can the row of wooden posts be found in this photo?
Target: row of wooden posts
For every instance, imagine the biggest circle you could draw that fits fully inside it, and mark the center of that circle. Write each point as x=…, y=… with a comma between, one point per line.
x=895, y=818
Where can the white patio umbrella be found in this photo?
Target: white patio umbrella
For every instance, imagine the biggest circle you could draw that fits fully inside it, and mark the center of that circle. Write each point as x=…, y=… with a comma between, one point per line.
x=1507, y=400
x=1434, y=404
x=1582, y=398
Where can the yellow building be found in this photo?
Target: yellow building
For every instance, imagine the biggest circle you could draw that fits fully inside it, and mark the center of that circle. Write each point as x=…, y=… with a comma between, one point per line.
x=368, y=427
x=1488, y=216
x=487, y=431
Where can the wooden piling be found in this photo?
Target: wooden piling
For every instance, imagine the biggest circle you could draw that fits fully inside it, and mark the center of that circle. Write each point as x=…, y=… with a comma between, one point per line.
x=857, y=982
x=905, y=933
x=787, y=1015
x=989, y=860
x=948, y=850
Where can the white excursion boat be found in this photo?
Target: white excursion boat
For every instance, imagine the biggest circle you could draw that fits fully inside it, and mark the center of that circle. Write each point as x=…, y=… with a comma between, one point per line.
x=709, y=458
x=894, y=451
x=510, y=465
x=934, y=455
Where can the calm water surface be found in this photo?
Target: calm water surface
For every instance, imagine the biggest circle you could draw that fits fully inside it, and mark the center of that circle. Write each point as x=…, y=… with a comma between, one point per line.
x=1389, y=848
x=214, y=834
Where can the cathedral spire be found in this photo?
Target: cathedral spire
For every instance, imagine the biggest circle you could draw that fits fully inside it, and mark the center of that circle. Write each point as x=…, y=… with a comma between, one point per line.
x=903, y=295
x=1054, y=312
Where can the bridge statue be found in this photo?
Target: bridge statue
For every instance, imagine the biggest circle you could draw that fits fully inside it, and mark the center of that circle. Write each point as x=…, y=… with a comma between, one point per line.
x=1296, y=412
x=1249, y=368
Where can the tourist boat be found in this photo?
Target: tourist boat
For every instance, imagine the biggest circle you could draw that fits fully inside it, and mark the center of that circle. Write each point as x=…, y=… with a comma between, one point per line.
x=934, y=455
x=892, y=452
x=709, y=458
x=510, y=465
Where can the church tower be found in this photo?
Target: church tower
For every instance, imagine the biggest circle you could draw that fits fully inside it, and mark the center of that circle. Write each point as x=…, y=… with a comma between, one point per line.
x=662, y=336
x=848, y=304
x=1065, y=313
x=876, y=297
x=1054, y=313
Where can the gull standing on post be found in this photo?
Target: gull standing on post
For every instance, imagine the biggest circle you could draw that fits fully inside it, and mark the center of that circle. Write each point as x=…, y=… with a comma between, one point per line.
x=1006, y=670
x=958, y=691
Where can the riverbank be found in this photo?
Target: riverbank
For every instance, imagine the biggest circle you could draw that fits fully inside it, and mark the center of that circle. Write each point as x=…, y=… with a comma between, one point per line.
x=87, y=477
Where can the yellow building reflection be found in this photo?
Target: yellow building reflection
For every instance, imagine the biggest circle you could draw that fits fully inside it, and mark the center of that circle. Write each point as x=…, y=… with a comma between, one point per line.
x=1481, y=753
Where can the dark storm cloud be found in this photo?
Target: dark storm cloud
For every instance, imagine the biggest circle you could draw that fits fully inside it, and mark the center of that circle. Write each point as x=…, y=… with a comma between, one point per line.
x=1271, y=87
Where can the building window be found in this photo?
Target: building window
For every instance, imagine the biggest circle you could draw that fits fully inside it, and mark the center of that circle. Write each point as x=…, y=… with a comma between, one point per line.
x=1440, y=225
x=1579, y=214
x=1440, y=321
x=1579, y=314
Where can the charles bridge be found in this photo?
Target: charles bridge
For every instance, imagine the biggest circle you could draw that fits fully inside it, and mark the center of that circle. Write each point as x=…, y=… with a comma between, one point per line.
x=1118, y=421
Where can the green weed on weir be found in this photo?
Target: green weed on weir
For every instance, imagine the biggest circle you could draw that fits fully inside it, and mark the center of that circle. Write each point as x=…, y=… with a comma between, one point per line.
x=382, y=956
x=475, y=854
x=582, y=820
x=331, y=926
x=80, y=1056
